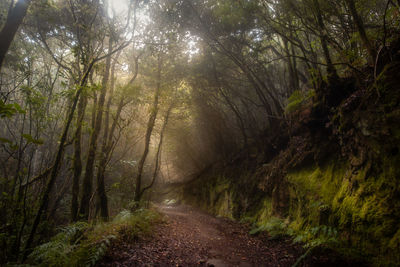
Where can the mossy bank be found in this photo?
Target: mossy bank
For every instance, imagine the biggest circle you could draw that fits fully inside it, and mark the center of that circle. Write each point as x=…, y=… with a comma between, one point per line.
x=334, y=182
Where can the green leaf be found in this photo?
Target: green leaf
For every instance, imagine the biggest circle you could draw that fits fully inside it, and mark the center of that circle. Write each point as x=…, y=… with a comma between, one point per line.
x=8, y=110
x=32, y=140
x=5, y=140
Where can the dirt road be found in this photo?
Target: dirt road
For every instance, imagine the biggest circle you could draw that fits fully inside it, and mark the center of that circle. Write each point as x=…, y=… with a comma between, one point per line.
x=193, y=238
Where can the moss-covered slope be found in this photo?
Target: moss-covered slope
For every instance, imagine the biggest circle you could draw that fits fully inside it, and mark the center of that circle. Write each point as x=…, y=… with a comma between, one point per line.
x=336, y=182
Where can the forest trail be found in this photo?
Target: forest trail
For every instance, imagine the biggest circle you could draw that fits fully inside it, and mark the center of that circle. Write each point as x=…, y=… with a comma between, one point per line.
x=190, y=237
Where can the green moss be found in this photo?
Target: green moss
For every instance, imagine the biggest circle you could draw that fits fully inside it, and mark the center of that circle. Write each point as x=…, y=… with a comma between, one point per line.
x=320, y=182
x=213, y=194
x=264, y=212
x=361, y=204
x=356, y=209
x=224, y=206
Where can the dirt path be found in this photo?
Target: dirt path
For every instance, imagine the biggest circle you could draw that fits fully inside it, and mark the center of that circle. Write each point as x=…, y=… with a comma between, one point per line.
x=193, y=238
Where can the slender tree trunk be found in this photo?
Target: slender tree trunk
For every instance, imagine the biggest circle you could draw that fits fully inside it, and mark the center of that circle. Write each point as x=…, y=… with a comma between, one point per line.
x=17, y=202
x=150, y=126
x=14, y=19
x=158, y=154
x=57, y=162
x=361, y=30
x=107, y=146
x=293, y=63
x=259, y=85
x=101, y=192
x=77, y=162
x=89, y=171
x=240, y=121
x=58, y=198
x=94, y=111
x=332, y=75
x=292, y=83
x=230, y=104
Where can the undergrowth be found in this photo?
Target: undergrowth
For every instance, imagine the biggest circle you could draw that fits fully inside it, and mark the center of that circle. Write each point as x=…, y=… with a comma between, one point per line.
x=297, y=99
x=275, y=228
x=83, y=244
x=320, y=235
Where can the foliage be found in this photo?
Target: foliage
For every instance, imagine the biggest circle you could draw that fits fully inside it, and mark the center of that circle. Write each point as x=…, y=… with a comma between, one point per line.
x=317, y=236
x=229, y=67
x=8, y=110
x=330, y=206
x=297, y=99
x=83, y=244
x=57, y=252
x=32, y=140
x=275, y=228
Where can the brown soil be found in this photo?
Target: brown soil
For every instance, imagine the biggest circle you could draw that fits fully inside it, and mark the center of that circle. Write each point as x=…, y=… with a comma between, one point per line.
x=190, y=237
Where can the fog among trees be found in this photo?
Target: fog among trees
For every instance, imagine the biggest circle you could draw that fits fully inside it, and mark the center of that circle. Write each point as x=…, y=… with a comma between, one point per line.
x=110, y=105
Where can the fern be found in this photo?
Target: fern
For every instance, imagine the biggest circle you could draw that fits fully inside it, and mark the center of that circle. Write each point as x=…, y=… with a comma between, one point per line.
x=57, y=251
x=81, y=244
x=297, y=99
x=53, y=253
x=275, y=228
x=74, y=232
x=321, y=235
x=97, y=252
x=317, y=236
x=123, y=216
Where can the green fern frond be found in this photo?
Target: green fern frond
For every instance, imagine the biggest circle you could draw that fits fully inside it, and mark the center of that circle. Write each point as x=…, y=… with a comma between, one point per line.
x=97, y=252
x=82, y=244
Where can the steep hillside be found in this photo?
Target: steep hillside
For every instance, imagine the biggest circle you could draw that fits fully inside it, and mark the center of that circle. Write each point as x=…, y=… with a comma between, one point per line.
x=333, y=177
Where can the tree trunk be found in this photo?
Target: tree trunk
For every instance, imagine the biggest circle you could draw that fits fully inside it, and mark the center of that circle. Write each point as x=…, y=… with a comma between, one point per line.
x=54, y=171
x=106, y=149
x=150, y=126
x=14, y=19
x=89, y=171
x=293, y=63
x=292, y=83
x=230, y=103
x=361, y=30
x=259, y=85
x=158, y=154
x=332, y=75
x=101, y=192
x=77, y=162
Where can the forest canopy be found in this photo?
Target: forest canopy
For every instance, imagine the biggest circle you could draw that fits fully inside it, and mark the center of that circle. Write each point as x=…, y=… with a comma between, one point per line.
x=107, y=104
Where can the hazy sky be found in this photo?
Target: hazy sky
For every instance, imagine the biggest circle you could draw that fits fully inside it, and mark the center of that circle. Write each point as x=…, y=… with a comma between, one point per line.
x=119, y=6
